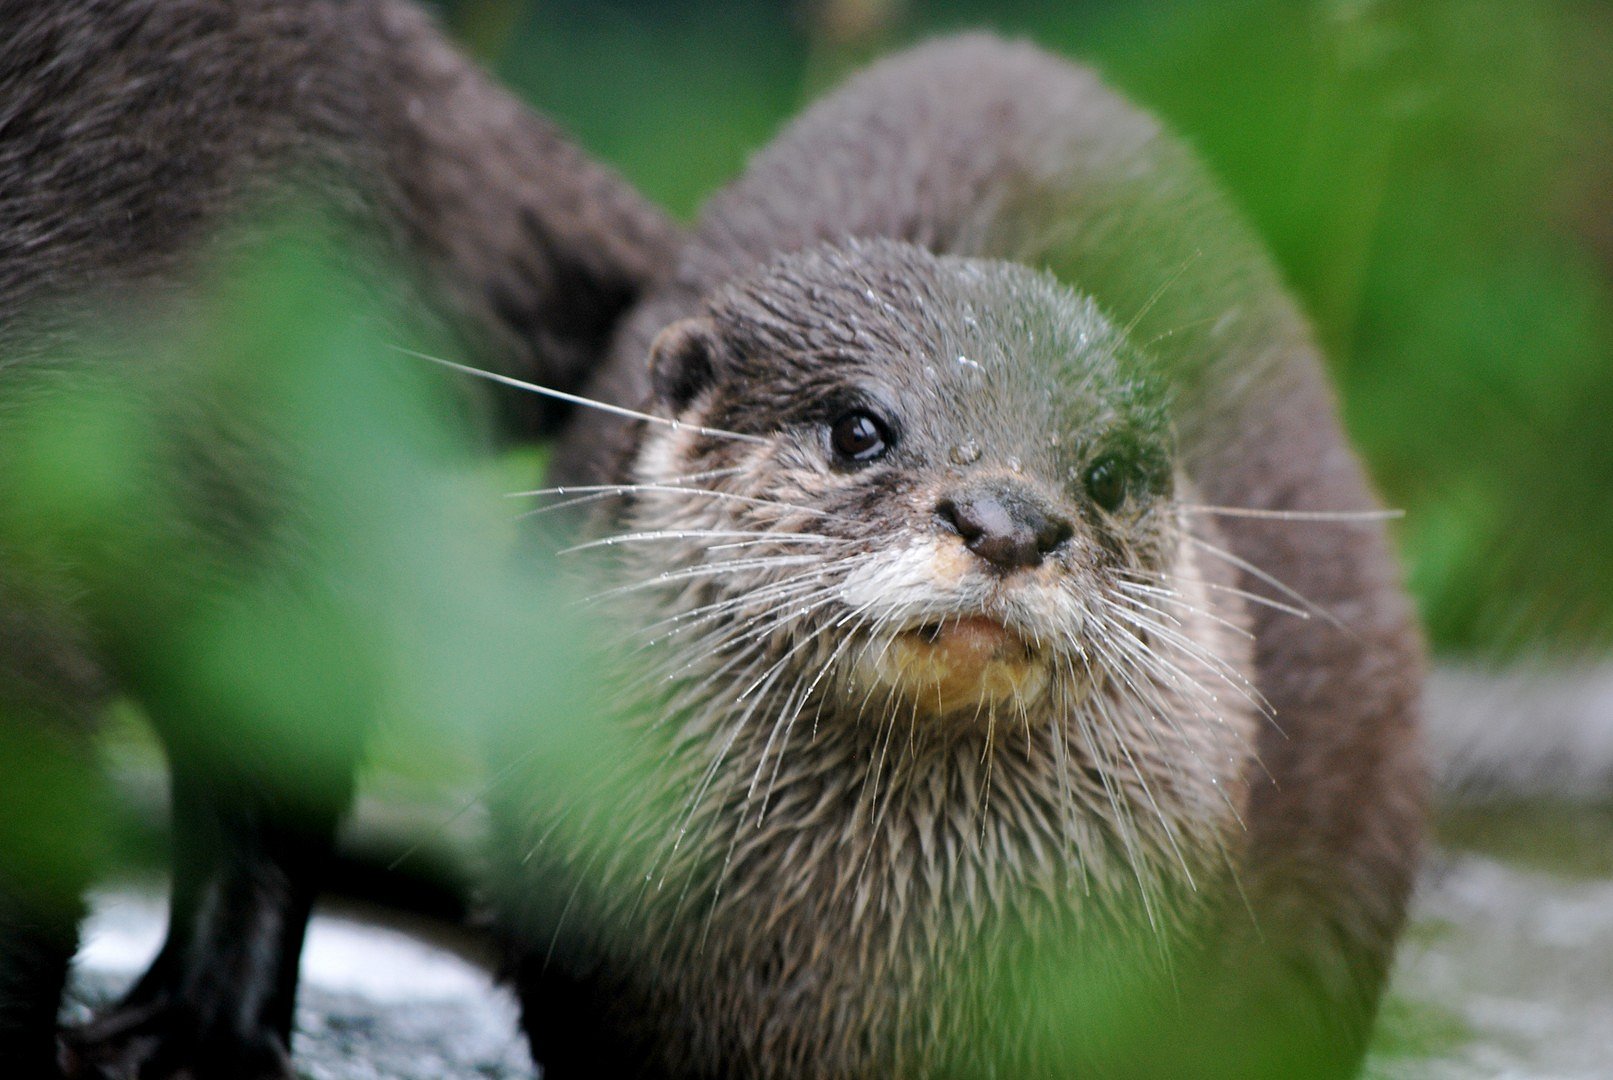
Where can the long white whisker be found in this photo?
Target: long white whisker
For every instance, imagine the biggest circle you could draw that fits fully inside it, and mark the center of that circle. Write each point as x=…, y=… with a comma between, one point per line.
x=1341, y=516
x=1250, y=568
x=625, y=489
x=576, y=399
x=699, y=534
x=713, y=493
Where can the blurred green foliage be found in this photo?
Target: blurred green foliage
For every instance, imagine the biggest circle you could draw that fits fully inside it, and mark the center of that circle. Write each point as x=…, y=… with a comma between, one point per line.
x=279, y=533
x=1434, y=176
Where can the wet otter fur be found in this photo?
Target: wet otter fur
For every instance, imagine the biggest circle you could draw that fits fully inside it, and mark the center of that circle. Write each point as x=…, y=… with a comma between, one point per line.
x=135, y=135
x=956, y=759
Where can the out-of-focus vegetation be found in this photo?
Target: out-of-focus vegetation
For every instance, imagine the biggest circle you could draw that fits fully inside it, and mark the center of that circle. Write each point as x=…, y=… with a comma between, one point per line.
x=277, y=530
x=1434, y=176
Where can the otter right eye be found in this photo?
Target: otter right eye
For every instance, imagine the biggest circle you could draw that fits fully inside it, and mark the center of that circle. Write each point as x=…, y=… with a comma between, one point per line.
x=1106, y=482
x=859, y=436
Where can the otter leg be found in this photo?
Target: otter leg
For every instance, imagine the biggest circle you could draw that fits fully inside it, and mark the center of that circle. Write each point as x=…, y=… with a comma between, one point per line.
x=217, y=1003
x=36, y=943
x=52, y=824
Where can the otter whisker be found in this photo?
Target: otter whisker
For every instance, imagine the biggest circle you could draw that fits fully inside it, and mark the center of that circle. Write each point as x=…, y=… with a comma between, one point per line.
x=781, y=591
x=739, y=824
x=1147, y=668
x=1204, y=706
x=793, y=650
x=986, y=758
x=792, y=705
x=731, y=566
x=738, y=545
x=1190, y=324
x=1152, y=699
x=623, y=488
x=686, y=621
x=814, y=597
x=1152, y=666
x=1159, y=292
x=1063, y=762
x=1124, y=823
x=1176, y=599
x=871, y=786
x=699, y=534
x=1144, y=659
x=845, y=641
x=736, y=728
x=1148, y=793
x=1250, y=568
x=1228, y=674
x=780, y=599
x=711, y=493
x=1326, y=516
x=714, y=767
x=578, y=399
x=1255, y=598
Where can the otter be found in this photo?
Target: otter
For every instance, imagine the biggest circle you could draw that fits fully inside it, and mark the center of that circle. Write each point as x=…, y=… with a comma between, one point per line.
x=133, y=134
x=1024, y=682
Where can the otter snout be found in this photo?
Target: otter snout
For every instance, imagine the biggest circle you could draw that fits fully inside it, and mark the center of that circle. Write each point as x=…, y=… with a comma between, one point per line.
x=1004, y=523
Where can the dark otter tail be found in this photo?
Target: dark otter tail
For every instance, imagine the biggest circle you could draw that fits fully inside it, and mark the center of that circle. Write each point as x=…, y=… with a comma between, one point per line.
x=130, y=130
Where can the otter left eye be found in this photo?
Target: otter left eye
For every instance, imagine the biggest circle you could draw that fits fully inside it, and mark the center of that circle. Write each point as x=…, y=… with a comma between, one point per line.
x=1106, y=483
x=860, y=436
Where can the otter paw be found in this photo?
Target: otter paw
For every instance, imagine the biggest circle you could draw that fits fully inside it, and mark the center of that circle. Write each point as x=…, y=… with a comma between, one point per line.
x=167, y=1042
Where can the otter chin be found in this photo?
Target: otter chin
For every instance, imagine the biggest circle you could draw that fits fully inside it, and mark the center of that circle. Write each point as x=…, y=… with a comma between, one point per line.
x=965, y=665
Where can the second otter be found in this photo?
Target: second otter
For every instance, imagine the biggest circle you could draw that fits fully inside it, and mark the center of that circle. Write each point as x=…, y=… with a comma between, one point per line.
x=1017, y=714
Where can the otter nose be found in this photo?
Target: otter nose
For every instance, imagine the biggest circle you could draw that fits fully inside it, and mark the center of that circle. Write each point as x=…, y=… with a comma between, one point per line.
x=1007, y=527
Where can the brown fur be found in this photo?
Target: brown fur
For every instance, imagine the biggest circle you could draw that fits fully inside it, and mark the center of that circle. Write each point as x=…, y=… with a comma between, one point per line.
x=132, y=130
x=981, y=148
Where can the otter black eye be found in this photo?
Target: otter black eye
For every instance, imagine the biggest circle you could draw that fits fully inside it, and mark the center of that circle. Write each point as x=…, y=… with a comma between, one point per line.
x=859, y=436
x=1105, y=482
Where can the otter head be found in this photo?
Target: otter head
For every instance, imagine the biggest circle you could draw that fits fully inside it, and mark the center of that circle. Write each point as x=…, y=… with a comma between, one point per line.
x=936, y=648
x=950, y=487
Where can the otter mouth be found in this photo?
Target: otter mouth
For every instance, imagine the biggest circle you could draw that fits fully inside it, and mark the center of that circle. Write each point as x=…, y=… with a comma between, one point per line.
x=973, y=638
x=959, y=664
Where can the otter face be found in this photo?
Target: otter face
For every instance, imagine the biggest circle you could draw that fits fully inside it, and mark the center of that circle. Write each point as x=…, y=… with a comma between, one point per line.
x=953, y=489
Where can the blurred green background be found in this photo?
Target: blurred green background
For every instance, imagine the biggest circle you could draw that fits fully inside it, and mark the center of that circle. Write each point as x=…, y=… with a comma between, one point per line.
x=1434, y=176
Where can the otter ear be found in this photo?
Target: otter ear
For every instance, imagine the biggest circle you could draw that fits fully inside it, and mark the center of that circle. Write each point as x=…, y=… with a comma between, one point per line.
x=683, y=360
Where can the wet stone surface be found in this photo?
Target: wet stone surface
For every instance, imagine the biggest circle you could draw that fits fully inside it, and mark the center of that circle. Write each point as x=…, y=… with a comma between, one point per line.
x=376, y=1003
x=1506, y=972
x=1507, y=969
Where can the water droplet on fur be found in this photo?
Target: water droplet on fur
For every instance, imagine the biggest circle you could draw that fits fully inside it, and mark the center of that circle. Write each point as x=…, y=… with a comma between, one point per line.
x=1014, y=465
x=965, y=453
x=968, y=363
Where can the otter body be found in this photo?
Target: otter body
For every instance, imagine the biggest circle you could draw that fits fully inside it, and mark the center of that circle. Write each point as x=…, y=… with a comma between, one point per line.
x=135, y=136
x=1011, y=715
